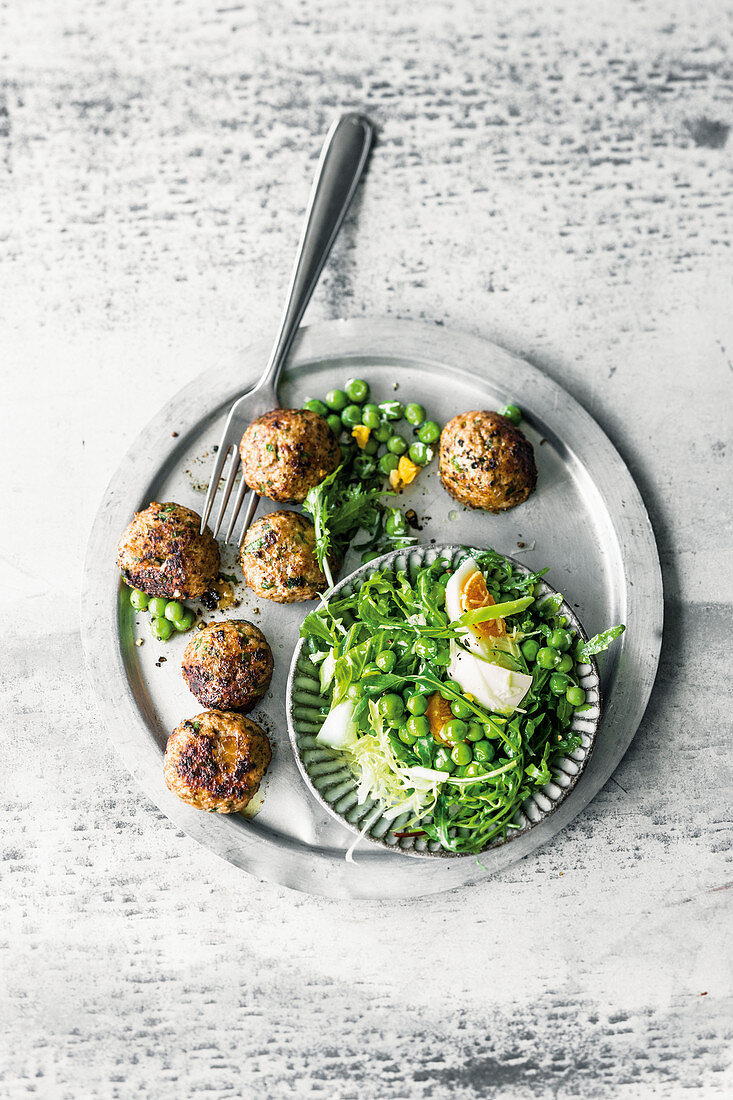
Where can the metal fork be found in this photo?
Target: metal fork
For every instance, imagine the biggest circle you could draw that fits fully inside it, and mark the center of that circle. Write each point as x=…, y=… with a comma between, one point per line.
x=339, y=170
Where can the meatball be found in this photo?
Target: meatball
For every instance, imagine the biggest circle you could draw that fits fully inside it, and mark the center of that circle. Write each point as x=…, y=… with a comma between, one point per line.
x=286, y=452
x=279, y=559
x=228, y=665
x=163, y=553
x=216, y=761
x=485, y=462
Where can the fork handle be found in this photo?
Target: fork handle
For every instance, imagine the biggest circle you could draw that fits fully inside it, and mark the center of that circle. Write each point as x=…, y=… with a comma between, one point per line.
x=341, y=165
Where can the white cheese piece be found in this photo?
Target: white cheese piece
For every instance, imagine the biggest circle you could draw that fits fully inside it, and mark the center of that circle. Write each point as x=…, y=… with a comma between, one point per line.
x=338, y=731
x=498, y=689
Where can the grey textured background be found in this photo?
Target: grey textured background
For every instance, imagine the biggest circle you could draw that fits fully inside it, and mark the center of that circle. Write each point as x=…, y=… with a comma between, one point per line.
x=553, y=176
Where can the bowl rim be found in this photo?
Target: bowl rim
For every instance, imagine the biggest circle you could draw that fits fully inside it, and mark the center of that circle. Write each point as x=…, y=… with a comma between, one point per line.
x=361, y=574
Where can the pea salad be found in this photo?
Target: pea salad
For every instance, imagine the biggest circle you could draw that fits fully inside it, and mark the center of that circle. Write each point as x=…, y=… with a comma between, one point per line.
x=451, y=692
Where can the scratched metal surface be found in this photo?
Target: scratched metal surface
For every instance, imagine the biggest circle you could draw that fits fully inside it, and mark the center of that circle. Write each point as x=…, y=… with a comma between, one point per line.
x=555, y=177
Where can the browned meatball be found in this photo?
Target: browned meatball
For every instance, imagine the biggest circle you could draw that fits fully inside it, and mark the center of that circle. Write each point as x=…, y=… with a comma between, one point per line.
x=286, y=452
x=163, y=553
x=228, y=665
x=485, y=462
x=216, y=761
x=279, y=559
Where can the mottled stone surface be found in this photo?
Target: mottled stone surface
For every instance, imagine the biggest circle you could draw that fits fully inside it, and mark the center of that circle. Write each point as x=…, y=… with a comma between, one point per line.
x=553, y=176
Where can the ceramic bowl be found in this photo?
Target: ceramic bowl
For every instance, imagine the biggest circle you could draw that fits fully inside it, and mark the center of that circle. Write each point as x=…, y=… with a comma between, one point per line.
x=327, y=775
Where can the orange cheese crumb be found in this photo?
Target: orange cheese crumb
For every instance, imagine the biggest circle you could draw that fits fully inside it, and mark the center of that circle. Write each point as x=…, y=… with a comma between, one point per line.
x=361, y=435
x=405, y=473
x=438, y=714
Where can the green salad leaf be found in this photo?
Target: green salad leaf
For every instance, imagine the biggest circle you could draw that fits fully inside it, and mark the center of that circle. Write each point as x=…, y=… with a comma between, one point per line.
x=599, y=643
x=339, y=506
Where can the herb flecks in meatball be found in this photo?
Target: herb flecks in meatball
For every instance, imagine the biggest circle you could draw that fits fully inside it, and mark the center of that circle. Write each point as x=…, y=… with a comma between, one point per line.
x=286, y=452
x=486, y=462
x=216, y=761
x=279, y=559
x=228, y=665
x=163, y=553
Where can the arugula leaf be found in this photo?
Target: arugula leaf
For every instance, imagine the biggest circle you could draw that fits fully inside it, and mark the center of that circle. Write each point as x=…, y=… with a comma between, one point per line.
x=599, y=642
x=339, y=507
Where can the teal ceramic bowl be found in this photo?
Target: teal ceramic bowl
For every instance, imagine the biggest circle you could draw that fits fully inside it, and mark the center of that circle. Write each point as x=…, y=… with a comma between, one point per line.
x=327, y=775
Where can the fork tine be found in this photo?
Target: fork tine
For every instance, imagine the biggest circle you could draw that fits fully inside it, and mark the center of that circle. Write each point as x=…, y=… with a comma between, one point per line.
x=227, y=490
x=214, y=482
x=241, y=491
x=249, y=513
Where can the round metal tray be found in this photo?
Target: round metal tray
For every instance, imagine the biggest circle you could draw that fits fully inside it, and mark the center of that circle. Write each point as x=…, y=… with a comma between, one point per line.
x=586, y=521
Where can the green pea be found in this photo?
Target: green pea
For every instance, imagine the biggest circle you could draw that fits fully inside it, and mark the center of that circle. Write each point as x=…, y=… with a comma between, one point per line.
x=560, y=639
x=370, y=555
x=184, y=624
x=455, y=731
x=575, y=696
x=391, y=705
x=443, y=762
x=397, y=445
x=418, y=725
x=370, y=416
x=460, y=708
x=385, y=660
x=426, y=648
x=383, y=432
x=392, y=410
x=414, y=414
x=334, y=423
x=354, y=692
x=429, y=432
x=558, y=683
x=483, y=752
x=174, y=611
x=417, y=704
x=405, y=736
x=364, y=466
x=157, y=607
x=566, y=663
x=396, y=524
x=357, y=390
x=139, y=599
x=442, y=657
x=370, y=447
x=474, y=770
x=461, y=754
x=351, y=416
x=530, y=649
x=161, y=628
x=371, y=670
x=548, y=657
x=420, y=454
x=512, y=412
x=388, y=463
x=337, y=400
x=476, y=732
x=316, y=406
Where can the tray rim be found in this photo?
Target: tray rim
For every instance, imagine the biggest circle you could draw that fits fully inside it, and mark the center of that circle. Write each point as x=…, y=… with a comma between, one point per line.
x=390, y=341
x=367, y=570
